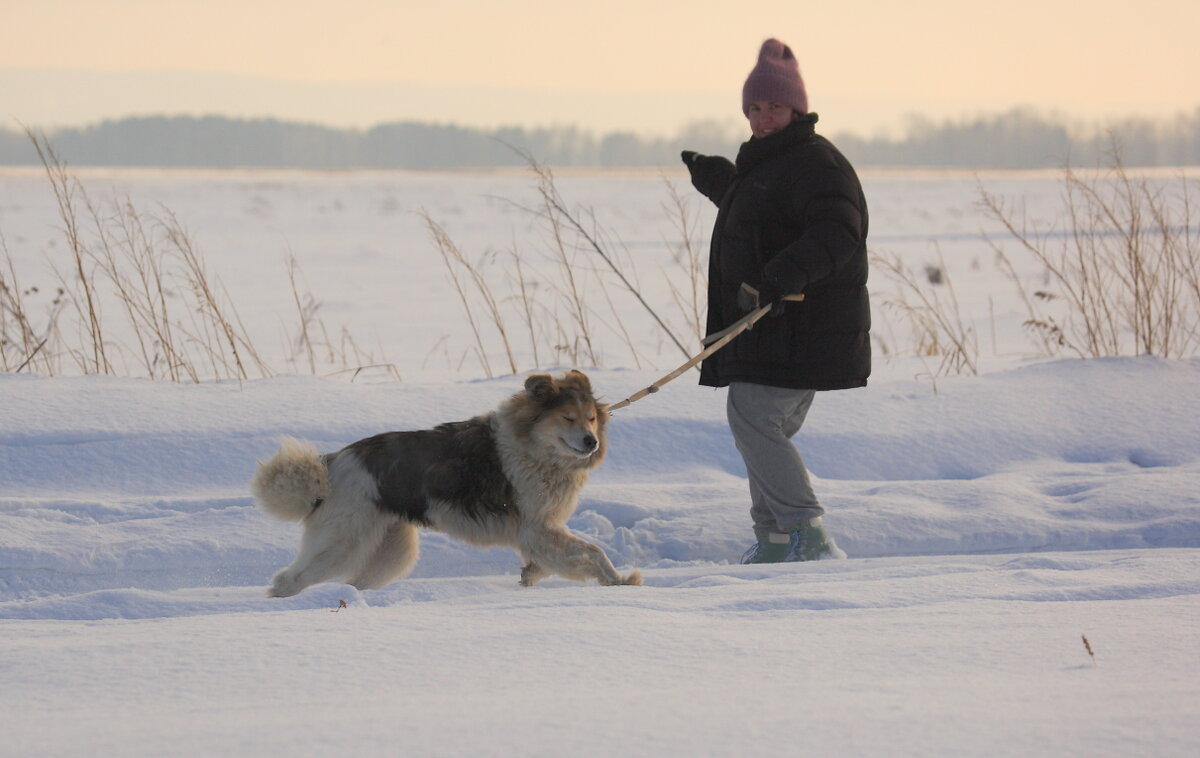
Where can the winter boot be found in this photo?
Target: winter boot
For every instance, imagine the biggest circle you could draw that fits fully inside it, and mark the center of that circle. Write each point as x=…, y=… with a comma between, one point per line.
x=810, y=542
x=771, y=547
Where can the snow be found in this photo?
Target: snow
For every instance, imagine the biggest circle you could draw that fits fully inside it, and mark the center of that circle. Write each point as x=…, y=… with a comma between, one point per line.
x=992, y=522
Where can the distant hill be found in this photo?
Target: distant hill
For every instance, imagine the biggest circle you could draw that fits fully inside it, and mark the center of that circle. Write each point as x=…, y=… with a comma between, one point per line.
x=1015, y=139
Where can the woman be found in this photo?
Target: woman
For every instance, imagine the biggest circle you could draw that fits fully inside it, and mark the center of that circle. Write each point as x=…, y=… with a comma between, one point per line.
x=792, y=219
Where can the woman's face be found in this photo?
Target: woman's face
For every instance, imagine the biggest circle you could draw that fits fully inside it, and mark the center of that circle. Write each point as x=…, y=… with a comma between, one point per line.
x=767, y=117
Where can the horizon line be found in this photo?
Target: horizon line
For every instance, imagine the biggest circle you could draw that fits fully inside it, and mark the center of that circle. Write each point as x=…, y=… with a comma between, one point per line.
x=916, y=120
x=57, y=98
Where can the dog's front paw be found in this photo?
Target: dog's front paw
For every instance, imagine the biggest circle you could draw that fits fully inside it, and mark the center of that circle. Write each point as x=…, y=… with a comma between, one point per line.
x=531, y=574
x=283, y=586
x=633, y=577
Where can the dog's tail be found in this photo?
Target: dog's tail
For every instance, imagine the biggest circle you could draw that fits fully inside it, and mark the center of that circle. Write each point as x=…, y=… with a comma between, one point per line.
x=292, y=482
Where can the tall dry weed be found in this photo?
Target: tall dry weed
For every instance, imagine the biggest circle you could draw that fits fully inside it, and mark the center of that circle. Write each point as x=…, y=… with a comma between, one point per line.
x=936, y=320
x=135, y=297
x=572, y=288
x=1121, y=272
x=22, y=337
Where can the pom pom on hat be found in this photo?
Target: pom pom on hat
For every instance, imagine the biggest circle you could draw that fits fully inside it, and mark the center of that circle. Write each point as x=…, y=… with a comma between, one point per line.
x=775, y=78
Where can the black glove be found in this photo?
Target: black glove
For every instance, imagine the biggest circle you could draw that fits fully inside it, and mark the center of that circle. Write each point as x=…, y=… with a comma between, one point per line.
x=707, y=170
x=768, y=293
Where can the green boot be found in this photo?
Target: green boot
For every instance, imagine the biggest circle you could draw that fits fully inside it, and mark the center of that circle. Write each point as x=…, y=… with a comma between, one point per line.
x=771, y=547
x=810, y=542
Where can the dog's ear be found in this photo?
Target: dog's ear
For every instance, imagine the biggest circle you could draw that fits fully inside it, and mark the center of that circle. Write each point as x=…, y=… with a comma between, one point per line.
x=602, y=414
x=540, y=388
x=579, y=380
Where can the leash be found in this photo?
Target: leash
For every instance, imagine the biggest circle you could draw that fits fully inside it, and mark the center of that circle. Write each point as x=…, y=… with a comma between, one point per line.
x=714, y=341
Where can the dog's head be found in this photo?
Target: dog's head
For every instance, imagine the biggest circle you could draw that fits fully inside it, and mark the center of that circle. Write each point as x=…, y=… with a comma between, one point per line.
x=563, y=418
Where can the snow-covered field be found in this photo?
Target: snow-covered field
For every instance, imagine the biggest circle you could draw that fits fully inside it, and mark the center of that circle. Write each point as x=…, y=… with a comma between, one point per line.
x=992, y=522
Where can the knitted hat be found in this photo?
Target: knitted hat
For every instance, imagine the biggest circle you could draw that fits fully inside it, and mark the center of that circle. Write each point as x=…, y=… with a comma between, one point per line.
x=775, y=78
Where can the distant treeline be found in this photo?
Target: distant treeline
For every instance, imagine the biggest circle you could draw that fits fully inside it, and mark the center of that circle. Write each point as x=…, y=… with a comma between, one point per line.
x=1016, y=139
x=1025, y=139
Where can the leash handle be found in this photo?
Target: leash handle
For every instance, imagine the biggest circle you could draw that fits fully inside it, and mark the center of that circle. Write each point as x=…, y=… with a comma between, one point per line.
x=739, y=326
x=718, y=335
x=714, y=341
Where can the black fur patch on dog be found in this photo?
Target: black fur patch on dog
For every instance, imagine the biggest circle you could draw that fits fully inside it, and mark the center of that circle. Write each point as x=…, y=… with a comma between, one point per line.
x=455, y=462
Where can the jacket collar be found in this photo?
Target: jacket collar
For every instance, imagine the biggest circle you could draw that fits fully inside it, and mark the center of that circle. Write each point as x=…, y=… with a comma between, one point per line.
x=756, y=150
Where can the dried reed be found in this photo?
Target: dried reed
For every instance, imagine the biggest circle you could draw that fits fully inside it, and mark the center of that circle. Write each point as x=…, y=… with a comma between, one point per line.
x=558, y=212
x=937, y=322
x=1123, y=273
x=180, y=323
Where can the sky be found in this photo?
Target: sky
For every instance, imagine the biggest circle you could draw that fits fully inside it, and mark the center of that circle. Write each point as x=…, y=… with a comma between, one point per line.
x=641, y=65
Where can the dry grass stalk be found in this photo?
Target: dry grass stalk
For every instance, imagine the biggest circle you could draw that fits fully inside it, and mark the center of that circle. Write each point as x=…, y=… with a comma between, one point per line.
x=125, y=244
x=493, y=310
x=556, y=210
x=561, y=310
x=1088, y=647
x=572, y=292
x=389, y=368
x=525, y=289
x=217, y=313
x=1123, y=277
x=21, y=345
x=692, y=300
x=356, y=360
x=180, y=322
x=306, y=311
x=937, y=322
x=453, y=258
x=64, y=188
x=617, y=325
x=312, y=342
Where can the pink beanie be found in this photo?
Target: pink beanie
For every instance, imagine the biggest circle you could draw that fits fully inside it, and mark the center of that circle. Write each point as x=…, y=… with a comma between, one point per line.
x=775, y=78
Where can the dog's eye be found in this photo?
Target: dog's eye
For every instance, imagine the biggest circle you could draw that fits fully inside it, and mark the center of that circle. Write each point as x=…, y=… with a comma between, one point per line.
x=569, y=419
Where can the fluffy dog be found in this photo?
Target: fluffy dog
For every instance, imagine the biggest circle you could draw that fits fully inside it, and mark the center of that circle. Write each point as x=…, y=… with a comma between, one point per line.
x=511, y=477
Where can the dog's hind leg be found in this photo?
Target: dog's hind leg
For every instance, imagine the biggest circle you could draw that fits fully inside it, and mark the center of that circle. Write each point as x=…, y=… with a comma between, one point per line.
x=319, y=560
x=338, y=537
x=325, y=554
x=392, y=560
x=557, y=551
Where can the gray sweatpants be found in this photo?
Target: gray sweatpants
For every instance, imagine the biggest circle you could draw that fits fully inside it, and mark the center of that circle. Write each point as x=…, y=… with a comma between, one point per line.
x=763, y=420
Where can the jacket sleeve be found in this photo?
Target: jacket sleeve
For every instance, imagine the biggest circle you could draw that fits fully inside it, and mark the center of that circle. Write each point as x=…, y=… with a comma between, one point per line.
x=712, y=176
x=831, y=217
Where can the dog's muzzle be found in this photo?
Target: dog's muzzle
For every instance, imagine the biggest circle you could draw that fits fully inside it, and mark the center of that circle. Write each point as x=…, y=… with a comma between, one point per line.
x=586, y=445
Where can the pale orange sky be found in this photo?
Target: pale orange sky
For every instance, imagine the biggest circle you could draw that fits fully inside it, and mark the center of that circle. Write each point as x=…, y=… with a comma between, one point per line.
x=643, y=65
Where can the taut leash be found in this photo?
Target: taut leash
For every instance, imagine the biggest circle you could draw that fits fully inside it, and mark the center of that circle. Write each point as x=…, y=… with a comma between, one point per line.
x=715, y=342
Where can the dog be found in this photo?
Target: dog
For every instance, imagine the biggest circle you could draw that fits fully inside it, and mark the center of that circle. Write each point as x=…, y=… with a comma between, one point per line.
x=511, y=477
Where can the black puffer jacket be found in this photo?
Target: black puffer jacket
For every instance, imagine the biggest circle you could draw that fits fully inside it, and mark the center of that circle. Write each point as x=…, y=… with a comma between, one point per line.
x=791, y=211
